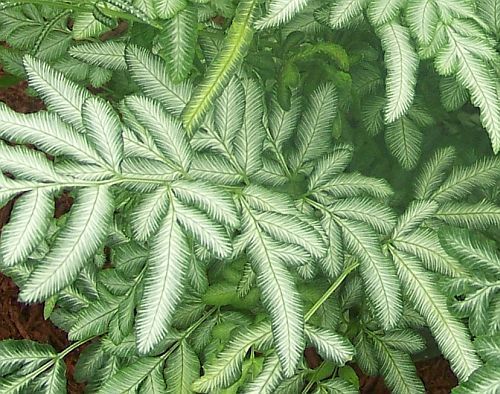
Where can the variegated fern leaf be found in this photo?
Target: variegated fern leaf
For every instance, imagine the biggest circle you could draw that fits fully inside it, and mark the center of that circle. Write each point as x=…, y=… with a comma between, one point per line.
x=220, y=222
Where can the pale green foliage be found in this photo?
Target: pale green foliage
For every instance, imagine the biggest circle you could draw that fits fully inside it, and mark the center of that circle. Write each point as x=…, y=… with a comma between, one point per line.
x=214, y=234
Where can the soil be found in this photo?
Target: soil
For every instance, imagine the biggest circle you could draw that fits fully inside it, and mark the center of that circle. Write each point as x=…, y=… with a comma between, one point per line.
x=21, y=321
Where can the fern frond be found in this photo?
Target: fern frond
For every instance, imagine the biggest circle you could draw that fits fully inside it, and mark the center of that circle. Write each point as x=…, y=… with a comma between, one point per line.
x=422, y=17
x=473, y=216
x=382, y=11
x=79, y=239
x=104, y=129
x=404, y=140
x=314, y=136
x=168, y=262
x=85, y=25
x=168, y=8
x=28, y=223
x=282, y=301
x=289, y=229
x=214, y=169
x=183, y=368
x=354, y=184
x=279, y=13
x=406, y=340
x=150, y=73
x=377, y=215
x=450, y=334
x=378, y=273
x=402, y=64
x=249, y=140
x=16, y=353
x=154, y=382
x=131, y=376
x=425, y=245
x=329, y=344
x=397, y=369
x=217, y=204
x=225, y=369
x=219, y=72
x=433, y=172
x=146, y=217
x=165, y=130
x=59, y=94
x=471, y=250
x=283, y=123
x=328, y=166
x=344, y=11
x=47, y=132
x=485, y=380
x=179, y=40
x=204, y=230
x=109, y=54
x=475, y=76
x=463, y=180
x=268, y=379
x=229, y=117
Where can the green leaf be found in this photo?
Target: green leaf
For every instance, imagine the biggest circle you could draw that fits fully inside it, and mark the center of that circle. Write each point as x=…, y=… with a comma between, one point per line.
x=85, y=26
x=221, y=69
x=382, y=11
x=109, y=54
x=268, y=380
x=183, y=368
x=464, y=180
x=47, y=132
x=131, y=376
x=249, y=139
x=179, y=39
x=451, y=336
x=59, y=94
x=216, y=203
x=398, y=369
x=147, y=215
x=401, y=63
x=154, y=382
x=406, y=340
x=377, y=215
x=54, y=381
x=422, y=17
x=432, y=173
x=329, y=344
x=473, y=216
x=224, y=370
x=103, y=127
x=16, y=353
x=424, y=244
x=94, y=319
x=485, y=380
x=168, y=8
x=79, y=240
x=165, y=130
x=314, y=137
x=27, y=227
x=150, y=73
x=404, y=140
x=344, y=12
x=168, y=262
x=380, y=280
x=280, y=12
x=204, y=230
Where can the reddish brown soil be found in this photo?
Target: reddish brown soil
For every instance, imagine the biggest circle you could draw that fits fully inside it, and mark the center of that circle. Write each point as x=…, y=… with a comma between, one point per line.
x=21, y=321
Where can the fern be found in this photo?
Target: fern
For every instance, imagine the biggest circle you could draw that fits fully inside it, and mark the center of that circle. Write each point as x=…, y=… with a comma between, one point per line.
x=233, y=199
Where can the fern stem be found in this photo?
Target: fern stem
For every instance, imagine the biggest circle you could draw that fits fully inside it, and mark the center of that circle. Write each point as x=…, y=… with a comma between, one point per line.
x=72, y=347
x=335, y=285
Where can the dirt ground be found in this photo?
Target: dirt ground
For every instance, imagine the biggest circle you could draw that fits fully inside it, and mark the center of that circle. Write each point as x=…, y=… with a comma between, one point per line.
x=21, y=321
